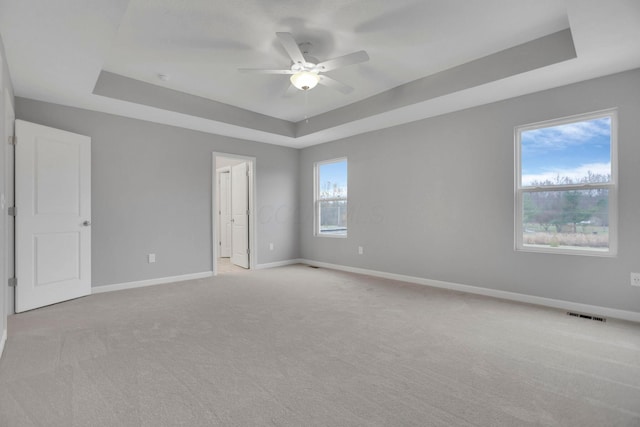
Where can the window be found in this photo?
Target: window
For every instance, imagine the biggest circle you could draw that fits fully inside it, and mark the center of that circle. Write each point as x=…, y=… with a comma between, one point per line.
x=566, y=185
x=331, y=198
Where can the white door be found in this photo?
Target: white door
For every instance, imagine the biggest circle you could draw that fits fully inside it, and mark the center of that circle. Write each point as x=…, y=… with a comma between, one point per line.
x=53, y=203
x=240, y=215
x=224, y=220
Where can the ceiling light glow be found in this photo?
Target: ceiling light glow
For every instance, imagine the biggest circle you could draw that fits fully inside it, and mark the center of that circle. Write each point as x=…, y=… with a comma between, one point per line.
x=305, y=80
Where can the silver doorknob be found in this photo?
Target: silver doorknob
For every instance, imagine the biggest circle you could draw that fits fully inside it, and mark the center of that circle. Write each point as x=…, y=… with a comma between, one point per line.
x=86, y=223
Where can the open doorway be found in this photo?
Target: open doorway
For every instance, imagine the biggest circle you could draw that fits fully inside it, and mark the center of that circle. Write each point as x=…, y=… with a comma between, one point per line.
x=233, y=225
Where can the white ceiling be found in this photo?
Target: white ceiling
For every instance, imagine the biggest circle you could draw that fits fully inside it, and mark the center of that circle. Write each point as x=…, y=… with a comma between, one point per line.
x=56, y=52
x=202, y=43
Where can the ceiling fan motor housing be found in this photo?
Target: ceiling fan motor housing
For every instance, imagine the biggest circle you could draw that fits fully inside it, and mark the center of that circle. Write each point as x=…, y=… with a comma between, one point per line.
x=305, y=70
x=306, y=75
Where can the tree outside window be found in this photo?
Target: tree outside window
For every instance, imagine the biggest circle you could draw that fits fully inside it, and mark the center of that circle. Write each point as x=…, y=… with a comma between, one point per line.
x=331, y=198
x=566, y=186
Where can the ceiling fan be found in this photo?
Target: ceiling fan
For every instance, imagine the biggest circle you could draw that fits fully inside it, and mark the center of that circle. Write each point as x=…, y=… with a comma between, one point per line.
x=306, y=71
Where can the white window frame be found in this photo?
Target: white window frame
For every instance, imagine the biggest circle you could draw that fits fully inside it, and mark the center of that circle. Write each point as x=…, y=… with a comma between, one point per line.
x=611, y=186
x=317, y=200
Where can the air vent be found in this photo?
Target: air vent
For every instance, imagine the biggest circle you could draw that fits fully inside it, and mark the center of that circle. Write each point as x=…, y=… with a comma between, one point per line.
x=587, y=316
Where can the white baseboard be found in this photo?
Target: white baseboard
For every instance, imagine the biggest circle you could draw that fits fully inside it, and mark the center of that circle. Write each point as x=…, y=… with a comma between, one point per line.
x=150, y=282
x=278, y=264
x=3, y=340
x=513, y=296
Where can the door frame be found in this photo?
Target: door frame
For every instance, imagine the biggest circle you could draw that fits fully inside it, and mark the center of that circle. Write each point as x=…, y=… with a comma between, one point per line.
x=9, y=222
x=219, y=172
x=251, y=161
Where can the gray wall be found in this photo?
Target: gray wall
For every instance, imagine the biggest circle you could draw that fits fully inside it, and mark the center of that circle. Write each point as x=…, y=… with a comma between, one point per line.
x=431, y=199
x=434, y=199
x=151, y=193
x=5, y=89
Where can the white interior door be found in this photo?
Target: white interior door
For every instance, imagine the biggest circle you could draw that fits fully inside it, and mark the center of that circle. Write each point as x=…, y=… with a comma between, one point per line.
x=53, y=202
x=240, y=215
x=224, y=192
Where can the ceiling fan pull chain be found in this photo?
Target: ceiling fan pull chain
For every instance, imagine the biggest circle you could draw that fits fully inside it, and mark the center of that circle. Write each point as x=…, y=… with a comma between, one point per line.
x=306, y=106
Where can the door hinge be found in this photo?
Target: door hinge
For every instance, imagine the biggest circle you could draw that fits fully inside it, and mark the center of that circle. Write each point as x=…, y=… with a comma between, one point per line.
x=13, y=282
x=11, y=211
x=13, y=140
x=248, y=251
x=247, y=212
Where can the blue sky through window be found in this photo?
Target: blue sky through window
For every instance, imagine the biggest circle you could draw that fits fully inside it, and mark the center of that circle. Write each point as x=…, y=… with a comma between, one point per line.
x=333, y=178
x=570, y=150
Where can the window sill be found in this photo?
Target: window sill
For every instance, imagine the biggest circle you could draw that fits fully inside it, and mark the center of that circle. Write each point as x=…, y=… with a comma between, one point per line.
x=332, y=236
x=608, y=253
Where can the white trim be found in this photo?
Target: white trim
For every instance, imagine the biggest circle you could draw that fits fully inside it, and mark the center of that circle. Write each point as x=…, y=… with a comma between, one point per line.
x=150, y=282
x=316, y=197
x=611, y=186
x=632, y=316
x=216, y=210
x=3, y=340
x=568, y=119
x=9, y=179
x=279, y=264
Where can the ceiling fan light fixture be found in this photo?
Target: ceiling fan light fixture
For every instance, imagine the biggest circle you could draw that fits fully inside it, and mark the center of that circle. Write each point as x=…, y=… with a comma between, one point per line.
x=305, y=80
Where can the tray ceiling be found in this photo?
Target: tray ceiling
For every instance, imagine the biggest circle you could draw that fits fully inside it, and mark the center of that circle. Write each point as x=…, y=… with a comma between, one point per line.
x=427, y=58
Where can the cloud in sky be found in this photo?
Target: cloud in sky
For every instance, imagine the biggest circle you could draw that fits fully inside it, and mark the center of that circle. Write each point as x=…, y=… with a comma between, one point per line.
x=575, y=174
x=563, y=136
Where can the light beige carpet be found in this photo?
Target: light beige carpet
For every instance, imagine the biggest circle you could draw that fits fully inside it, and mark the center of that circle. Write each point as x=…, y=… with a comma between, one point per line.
x=225, y=266
x=297, y=346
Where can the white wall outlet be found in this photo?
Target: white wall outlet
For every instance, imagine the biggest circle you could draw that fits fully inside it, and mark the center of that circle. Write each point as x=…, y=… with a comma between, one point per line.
x=270, y=246
x=635, y=279
x=360, y=250
x=152, y=258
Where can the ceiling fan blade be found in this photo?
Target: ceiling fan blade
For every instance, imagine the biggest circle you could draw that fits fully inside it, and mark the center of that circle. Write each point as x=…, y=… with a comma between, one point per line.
x=334, y=84
x=264, y=71
x=343, y=61
x=292, y=48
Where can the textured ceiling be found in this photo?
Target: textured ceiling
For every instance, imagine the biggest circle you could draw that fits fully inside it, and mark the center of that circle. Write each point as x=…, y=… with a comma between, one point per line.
x=427, y=58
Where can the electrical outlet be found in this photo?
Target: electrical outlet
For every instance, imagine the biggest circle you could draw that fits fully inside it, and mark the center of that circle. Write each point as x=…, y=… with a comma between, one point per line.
x=152, y=258
x=360, y=250
x=635, y=279
x=270, y=246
